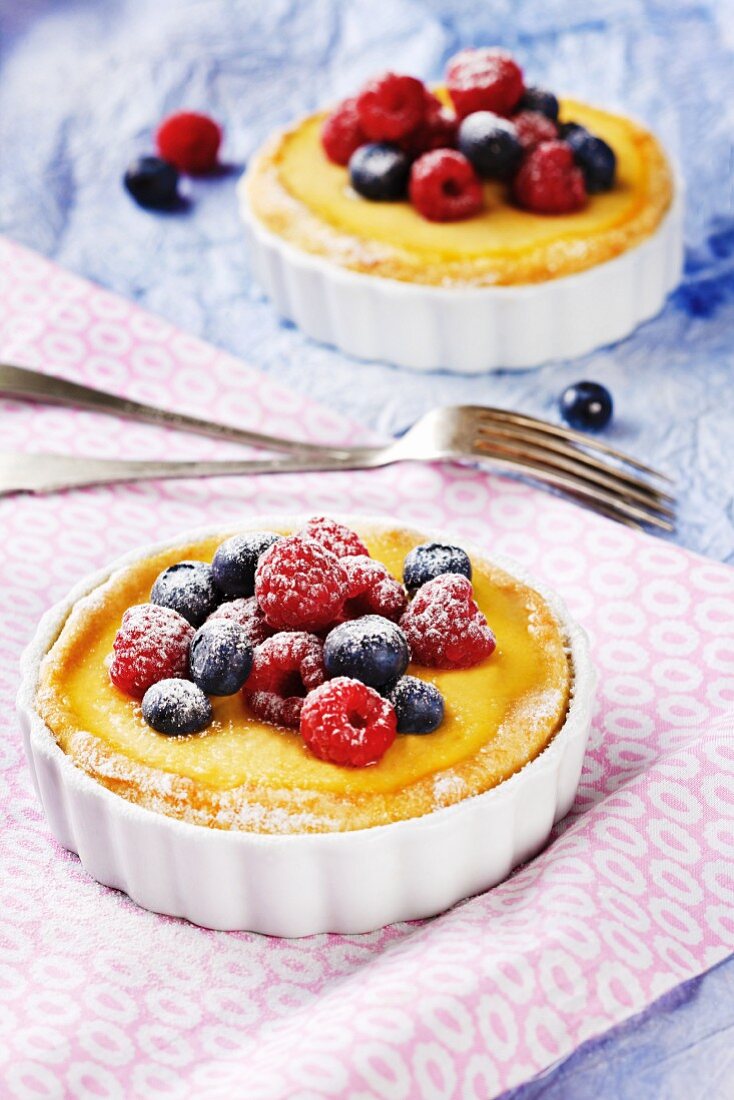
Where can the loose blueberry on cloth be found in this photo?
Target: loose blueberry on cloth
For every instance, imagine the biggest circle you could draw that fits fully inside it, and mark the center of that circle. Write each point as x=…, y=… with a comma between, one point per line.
x=152, y=182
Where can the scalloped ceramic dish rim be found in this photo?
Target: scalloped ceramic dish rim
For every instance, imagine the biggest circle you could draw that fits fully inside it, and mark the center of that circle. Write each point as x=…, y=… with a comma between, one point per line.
x=333, y=269
x=42, y=739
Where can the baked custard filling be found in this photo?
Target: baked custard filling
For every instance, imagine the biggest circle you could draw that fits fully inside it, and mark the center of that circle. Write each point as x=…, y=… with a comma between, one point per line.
x=245, y=774
x=296, y=192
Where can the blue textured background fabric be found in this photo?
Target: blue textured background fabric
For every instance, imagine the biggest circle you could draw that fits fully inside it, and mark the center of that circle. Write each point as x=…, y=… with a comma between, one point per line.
x=84, y=83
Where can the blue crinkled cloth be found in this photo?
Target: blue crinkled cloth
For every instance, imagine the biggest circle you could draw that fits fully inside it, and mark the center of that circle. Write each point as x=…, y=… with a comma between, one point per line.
x=84, y=81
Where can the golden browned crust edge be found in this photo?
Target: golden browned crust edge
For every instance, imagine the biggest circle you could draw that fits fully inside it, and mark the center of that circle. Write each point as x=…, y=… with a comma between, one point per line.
x=523, y=735
x=280, y=212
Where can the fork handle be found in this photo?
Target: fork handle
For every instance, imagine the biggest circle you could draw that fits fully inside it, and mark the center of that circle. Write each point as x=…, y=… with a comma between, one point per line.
x=46, y=473
x=32, y=385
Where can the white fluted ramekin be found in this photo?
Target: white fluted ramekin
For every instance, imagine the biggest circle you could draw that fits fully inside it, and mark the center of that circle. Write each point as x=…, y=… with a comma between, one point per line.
x=467, y=329
x=304, y=883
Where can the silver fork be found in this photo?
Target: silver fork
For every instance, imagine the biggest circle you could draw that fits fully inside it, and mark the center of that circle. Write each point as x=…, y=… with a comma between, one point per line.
x=579, y=466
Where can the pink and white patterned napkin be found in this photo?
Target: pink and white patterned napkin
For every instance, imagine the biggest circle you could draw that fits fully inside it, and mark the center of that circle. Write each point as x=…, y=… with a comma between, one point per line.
x=634, y=895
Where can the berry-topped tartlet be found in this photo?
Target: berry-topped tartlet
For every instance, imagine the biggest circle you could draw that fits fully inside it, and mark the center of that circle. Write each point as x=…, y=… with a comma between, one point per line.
x=485, y=184
x=299, y=680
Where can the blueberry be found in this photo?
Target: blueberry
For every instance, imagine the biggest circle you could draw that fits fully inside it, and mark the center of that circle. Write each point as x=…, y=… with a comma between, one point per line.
x=595, y=158
x=152, y=182
x=379, y=171
x=187, y=587
x=221, y=657
x=176, y=707
x=371, y=649
x=538, y=99
x=235, y=562
x=430, y=560
x=491, y=144
x=418, y=705
x=586, y=405
x=566, y=129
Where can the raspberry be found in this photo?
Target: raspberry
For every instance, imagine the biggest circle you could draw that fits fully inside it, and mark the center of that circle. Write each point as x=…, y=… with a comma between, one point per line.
x=444, y=187
x=483, y=80
x=532, y=127
x=341, y=133
x=300, y=585
x=152, y=644
x=371, y=590
x=335, y=537
x=284, y=668
x=189, y=141
x=248, y=613
x=549, y=182
x=444, y=626
x=347, y=723
x=436, y=131
x=390, y=106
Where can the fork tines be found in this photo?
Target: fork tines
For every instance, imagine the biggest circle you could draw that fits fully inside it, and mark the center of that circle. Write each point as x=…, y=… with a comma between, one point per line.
x=572, y=462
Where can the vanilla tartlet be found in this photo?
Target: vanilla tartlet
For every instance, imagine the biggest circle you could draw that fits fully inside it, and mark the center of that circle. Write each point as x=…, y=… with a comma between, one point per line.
x=509, y=751
x=298, y=194
x=505, y=288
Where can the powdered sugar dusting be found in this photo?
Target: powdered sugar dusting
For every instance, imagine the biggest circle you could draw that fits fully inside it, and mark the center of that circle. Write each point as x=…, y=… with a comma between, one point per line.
x=348, y=723
x=163, y=627
x=284, y=668
x=536, y=621
x=444, y=626
x=335, y=536
x=330, y=810
x=300, y=584
x=176, y=707
x=247, y=612
x=372, y=589
x=448, y=788
x=226, y=641
x=174, y=795
x=544, y=706
x=266, y=819
x=152, y=643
